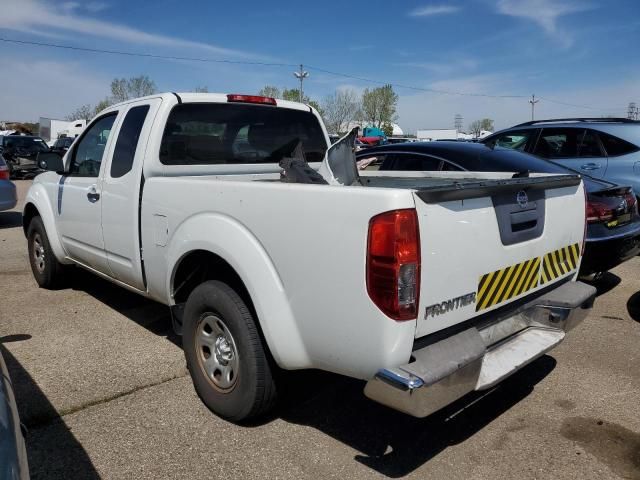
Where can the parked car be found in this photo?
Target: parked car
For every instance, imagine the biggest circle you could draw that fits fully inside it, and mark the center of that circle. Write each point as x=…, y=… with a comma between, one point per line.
x=13, y=454
x=607, y=148
x=264, y=268
x=8, y=197
x=61, y=145
x=613, y=223
x=21, y=154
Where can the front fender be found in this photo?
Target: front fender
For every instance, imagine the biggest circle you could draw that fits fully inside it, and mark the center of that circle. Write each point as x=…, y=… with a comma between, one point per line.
x=232, y=241
x=38, y=197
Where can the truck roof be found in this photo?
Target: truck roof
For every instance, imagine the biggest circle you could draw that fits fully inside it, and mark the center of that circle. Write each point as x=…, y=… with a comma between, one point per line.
x=192, y=97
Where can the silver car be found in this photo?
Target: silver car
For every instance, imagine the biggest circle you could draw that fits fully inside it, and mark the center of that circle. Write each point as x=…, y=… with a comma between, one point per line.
x=8, y=198
x=607, y=148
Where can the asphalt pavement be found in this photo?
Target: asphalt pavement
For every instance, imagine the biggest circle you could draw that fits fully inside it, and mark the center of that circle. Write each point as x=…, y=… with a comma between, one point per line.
x=103, y=390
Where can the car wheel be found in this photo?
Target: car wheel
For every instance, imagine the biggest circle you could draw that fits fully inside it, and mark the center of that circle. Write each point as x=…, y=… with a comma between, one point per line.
x=225, y=355
x=48, y=272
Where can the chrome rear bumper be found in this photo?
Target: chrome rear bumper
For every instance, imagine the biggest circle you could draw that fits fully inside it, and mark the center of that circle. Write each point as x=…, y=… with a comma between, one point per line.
x=480, y=357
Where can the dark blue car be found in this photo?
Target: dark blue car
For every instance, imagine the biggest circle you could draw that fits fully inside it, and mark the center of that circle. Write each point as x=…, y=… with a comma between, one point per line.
x=613, y=223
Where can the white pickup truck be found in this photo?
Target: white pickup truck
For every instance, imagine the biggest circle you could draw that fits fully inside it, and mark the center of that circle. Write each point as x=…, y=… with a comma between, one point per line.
x=273, y=252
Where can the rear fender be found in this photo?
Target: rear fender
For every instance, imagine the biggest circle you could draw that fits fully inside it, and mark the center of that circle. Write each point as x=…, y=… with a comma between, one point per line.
x=233, y=242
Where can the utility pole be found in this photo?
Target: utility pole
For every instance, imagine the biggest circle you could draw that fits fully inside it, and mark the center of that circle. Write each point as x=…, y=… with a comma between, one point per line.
x=301, y=75
x=533, y=102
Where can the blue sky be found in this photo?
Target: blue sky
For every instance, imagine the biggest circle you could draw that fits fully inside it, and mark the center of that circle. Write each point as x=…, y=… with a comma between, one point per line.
x=580, y=52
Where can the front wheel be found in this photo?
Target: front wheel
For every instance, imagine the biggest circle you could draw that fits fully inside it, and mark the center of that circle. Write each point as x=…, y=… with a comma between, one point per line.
x=48, y=272
x=225, y=355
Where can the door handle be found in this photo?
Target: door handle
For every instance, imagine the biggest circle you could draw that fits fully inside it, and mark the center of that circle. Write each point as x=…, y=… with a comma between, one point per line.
x=591, y=166
x=92, y=194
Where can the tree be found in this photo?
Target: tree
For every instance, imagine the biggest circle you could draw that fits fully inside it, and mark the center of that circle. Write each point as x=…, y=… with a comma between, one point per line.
x=84, y=112
x=379, y=105
x=203, y=89
x=340, y=108
x=478, y=126
x=475, y=128
x=123, y=89
x=387, y=128
x=487, y=124
x=269, y=91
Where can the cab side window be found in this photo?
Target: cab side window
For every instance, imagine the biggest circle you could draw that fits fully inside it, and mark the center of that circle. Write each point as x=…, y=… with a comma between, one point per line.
x=127, y=143
x=87, y=156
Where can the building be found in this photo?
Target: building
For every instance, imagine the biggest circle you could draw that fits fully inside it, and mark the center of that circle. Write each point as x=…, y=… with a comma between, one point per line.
x=51, y=129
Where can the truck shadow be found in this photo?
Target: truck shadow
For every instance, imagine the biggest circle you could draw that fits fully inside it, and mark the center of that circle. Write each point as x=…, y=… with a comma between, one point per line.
x=607, y=282
x=53, y=451
x=633, y=306
x=151, y=315
x=389, y=442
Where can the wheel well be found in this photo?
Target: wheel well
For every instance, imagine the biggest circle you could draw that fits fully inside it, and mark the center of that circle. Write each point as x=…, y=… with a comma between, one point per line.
x=30, y=211
x=199, y=266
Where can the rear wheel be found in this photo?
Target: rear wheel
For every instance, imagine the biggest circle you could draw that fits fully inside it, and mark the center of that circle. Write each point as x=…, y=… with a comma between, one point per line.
x=225, y=355
x=48, y=272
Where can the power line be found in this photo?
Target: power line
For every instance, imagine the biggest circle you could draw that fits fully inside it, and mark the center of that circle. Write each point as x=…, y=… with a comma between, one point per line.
x=411, y=87
x=246, y=62
x=280, y=64
x=147, y=55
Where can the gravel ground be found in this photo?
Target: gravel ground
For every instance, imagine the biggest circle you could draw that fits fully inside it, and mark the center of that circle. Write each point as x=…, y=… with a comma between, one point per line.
x=102, y=386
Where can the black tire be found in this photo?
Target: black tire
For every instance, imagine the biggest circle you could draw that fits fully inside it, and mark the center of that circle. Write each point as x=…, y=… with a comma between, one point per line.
x=216, y=321
x=48, y=272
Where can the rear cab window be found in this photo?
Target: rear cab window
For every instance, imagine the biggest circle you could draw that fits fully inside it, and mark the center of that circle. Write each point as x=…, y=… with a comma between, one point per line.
x=232, y=133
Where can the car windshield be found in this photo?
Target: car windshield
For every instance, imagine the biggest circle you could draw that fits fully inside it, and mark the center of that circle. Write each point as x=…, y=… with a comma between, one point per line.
x=31, y=144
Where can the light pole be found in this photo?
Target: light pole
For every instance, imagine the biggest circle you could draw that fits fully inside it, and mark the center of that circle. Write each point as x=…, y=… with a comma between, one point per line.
x=533, y=102
x=301, y=75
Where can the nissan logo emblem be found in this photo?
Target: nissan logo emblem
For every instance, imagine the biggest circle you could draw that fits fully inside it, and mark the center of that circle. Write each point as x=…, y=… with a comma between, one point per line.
x=522, y=199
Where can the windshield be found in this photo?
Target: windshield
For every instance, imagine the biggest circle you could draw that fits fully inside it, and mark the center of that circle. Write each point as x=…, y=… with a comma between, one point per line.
x=222, y=133
x=32, y=144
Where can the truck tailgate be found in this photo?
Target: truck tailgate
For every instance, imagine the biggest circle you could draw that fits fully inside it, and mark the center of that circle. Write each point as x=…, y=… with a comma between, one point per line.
x=488, y=244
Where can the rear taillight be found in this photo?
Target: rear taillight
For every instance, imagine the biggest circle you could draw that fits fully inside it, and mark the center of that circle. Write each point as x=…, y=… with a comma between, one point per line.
x=393, y=263
x=631, y=201
x=598, y=211
x=251, y=99
x=4, y=172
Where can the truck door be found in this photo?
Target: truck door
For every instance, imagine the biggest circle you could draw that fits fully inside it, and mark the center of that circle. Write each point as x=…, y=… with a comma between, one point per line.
x=123, y=178
x=79, y=196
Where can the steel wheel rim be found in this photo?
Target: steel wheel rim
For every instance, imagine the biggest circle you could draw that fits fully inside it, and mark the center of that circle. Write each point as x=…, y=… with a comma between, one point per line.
x=217, y=352
x=37, y=250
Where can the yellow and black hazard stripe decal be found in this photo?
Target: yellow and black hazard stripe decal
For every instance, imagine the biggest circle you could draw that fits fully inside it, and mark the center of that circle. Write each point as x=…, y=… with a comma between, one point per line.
x=559, y=262
x=502, y=285
x=507, y=283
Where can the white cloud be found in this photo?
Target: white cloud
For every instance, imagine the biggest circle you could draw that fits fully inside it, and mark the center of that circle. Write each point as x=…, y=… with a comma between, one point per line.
x=431, y=10
x=35, y=15
x=545, y=13
x=47, y=88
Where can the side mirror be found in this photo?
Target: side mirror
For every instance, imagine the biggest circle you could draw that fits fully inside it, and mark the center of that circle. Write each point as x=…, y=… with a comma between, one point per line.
x=50, y=161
